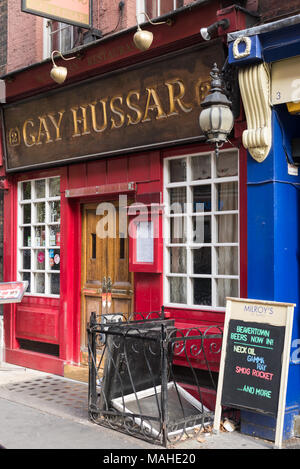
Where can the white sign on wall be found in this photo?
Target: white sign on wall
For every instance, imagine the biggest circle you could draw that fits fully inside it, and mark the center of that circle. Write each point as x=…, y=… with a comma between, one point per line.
x=285, y=81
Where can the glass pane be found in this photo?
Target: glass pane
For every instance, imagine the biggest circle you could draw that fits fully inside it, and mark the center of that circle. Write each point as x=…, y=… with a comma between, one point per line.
x=54, y=259
x=165, y=7
x=40, y=212
x=228, y=260
x=40, y=283
x=54, y=235
x=226, y=287
x=201, y=167
x=54, y=187
x=39, y=259
x=202, y=198
x=177, y=170
x=228, y=228
x=227, y=164
x=202, y=260
x=177, y=199
x=54, y=284
x=177, y=290
x=26, y=277
x=40, y=189
x=26, y=190
x=151, y=9
x=201, y=229
x=27, y=236
x=178, y=260
x=27, y=213
x=54, y=211
x=202, y=291
x=26, y=259
x=178, y=229
x=39, y=236
x=227, y=196
x=66, y=42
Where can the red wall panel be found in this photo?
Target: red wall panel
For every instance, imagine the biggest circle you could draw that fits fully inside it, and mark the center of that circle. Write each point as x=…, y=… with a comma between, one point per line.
x=39, y=324
x=96, y=173
x=76, y=176
x=117, y=170
x=148, y=293
x=139, y=168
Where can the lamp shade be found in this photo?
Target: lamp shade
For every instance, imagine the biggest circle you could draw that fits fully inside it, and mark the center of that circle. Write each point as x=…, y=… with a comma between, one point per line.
x=216, y=123
x=143, y=39
x=58, y=74
x=216, y=118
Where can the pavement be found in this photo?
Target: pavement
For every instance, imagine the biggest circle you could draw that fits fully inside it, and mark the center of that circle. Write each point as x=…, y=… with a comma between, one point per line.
x=44, y=411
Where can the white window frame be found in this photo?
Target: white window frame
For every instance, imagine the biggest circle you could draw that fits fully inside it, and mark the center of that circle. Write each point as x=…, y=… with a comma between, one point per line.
x=189, y=183
x=33, y=245
x=141, y=7
x=61, y=28
x=47, y=37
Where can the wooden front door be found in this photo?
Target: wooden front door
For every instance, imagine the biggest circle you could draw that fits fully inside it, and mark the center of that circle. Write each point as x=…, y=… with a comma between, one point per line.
x=106, y=283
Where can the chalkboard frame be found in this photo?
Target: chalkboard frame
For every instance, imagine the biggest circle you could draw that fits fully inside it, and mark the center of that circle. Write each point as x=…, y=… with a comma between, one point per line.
x=270, y=313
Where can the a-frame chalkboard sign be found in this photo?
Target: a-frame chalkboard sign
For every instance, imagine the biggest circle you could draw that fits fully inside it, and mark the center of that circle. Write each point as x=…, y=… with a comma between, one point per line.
x=255, y=359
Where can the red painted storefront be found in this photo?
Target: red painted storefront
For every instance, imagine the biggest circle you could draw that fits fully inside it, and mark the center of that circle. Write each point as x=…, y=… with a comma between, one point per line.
x=57, y=320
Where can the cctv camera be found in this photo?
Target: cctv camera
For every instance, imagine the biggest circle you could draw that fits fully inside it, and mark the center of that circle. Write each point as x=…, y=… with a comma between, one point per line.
x=205, y=35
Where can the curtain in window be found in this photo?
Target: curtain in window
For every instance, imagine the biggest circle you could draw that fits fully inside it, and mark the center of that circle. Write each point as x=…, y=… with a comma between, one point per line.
x=227, y=256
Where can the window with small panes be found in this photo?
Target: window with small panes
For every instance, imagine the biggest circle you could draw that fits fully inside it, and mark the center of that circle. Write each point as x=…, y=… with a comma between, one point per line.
x=201, y=229
x=39, y=235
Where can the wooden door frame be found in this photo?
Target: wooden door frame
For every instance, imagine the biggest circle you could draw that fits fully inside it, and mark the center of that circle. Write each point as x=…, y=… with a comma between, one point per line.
x=84, y=207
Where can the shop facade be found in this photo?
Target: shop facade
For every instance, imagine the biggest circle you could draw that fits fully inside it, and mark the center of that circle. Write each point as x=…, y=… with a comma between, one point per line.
x=267, y=60
x=83, y=160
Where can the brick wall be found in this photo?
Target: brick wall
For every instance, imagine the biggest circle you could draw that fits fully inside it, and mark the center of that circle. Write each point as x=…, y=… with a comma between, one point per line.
x=107, y=16
x=3, y=36
x=276, y=9
x=25, y=34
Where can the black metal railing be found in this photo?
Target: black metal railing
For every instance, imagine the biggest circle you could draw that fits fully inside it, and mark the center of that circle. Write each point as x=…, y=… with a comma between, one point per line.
x=151, y=379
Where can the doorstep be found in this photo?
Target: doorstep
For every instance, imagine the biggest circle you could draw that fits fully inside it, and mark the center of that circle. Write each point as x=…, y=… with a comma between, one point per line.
x=77, y=372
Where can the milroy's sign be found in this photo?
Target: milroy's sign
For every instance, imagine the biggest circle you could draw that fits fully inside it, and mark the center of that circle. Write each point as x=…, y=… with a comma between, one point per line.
x=147, y=106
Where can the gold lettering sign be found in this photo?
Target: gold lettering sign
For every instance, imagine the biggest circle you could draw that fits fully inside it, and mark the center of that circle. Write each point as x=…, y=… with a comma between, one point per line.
x=150, y=106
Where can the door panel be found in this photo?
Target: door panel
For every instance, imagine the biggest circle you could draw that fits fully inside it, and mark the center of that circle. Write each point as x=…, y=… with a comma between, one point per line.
x=106, y=283
x=119, y=277
x=95, y=249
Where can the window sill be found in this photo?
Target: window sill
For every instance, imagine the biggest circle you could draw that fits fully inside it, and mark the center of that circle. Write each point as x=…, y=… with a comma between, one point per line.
x=211, y=309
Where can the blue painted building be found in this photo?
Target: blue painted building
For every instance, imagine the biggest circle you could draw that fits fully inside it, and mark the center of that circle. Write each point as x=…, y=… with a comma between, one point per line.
x=268, y=59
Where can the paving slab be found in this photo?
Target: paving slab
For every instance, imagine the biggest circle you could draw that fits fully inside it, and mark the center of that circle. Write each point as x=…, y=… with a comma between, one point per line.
x=41, y=410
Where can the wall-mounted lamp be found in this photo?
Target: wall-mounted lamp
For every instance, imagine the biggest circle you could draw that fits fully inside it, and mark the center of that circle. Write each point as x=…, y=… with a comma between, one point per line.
x=59, y=74
x=207, y=33
x=142, y=38
x=216, y=118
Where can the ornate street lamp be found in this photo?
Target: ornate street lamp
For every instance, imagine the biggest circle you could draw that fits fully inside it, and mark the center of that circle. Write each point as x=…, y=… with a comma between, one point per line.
x=216, y=118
